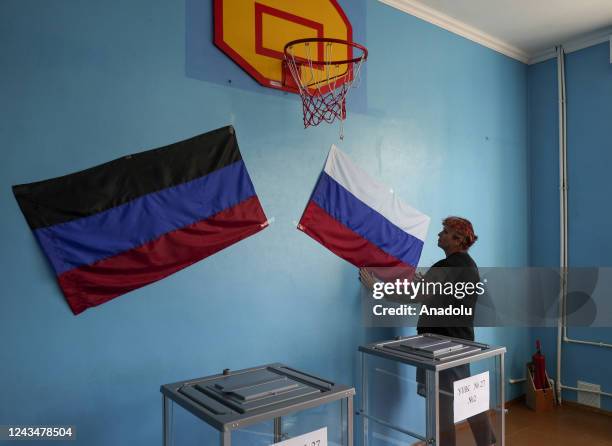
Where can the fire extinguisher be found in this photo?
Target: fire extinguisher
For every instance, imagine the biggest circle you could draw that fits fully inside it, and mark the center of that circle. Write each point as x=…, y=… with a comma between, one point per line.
x=539, y=367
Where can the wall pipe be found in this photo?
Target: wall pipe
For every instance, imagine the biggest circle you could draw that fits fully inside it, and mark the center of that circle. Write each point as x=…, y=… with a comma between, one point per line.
x=516, y=380
x=562, y=209
x=563, y=224
x=596, y=392
x=567, y=339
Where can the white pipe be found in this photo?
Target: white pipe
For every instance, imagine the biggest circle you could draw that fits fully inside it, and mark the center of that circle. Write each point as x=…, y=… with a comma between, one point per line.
x=563, y=224
x=580, y=341
x=562, y=211
x=597, y=392
x=517, y=380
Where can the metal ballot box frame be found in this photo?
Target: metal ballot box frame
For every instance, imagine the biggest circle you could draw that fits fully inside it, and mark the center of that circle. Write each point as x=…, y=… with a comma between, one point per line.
x=432, y=354
x=234, y=400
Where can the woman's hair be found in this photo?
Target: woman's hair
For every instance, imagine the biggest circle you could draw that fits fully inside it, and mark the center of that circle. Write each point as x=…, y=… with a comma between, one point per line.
x=463, y=228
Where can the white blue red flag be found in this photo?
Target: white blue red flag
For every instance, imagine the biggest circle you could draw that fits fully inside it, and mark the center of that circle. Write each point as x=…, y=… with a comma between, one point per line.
x=362, y=220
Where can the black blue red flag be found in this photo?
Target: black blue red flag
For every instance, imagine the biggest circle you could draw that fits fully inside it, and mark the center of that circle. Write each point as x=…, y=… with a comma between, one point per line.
x=124, y=224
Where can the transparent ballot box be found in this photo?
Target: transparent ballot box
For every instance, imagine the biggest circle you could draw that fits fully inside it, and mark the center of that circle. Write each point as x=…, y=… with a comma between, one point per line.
x=432, y=390
x=259, y=406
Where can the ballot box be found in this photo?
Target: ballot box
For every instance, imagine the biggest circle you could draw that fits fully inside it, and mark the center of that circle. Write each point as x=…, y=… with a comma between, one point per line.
x=259, y=406
x=432, y=390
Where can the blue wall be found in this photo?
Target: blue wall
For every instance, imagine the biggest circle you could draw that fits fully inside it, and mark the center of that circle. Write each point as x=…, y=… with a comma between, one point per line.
x=85, y=82
x=589, y=107
x=543, y=122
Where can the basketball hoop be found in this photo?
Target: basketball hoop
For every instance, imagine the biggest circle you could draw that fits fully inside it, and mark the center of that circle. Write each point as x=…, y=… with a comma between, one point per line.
x=322, y=70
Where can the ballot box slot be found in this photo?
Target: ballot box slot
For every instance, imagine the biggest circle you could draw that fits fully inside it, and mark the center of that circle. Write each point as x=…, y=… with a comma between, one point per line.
x=428, y=350
x=304, y=378
x=203, y=400
x=233, y=401
x=243, y=380
x=262, y=390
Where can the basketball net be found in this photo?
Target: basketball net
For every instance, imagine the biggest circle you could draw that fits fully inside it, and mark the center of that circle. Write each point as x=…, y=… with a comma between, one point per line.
x=323, y=84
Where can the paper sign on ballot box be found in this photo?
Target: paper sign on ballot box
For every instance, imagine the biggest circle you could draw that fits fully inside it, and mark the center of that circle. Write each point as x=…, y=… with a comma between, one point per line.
x=471, y=396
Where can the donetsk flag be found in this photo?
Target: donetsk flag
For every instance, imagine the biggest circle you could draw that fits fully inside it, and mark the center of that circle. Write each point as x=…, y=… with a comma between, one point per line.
x=362, y=221
x=122, y=225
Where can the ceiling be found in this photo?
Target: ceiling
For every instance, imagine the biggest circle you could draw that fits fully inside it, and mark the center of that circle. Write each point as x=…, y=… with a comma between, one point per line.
x=526, y=27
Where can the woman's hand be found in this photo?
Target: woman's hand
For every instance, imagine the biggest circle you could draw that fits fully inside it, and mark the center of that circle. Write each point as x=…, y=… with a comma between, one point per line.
x=367, y=278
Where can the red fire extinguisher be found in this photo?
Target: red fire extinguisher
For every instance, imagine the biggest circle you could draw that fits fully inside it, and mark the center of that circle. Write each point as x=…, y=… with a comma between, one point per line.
x=539, y=368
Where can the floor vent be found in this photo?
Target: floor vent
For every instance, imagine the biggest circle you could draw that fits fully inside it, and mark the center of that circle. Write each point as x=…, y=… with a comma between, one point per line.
x=588, y=398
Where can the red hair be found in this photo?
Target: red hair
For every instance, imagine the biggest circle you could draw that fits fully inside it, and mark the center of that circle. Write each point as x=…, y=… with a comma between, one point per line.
x=463, y=228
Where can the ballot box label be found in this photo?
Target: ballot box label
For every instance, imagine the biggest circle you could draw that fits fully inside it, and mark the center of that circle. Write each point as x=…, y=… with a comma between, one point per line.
x=471, y=396
x=314, y=438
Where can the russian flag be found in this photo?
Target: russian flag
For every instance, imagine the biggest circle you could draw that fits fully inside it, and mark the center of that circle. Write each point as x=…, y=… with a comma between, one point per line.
x=361, y=220
x=127, y=223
